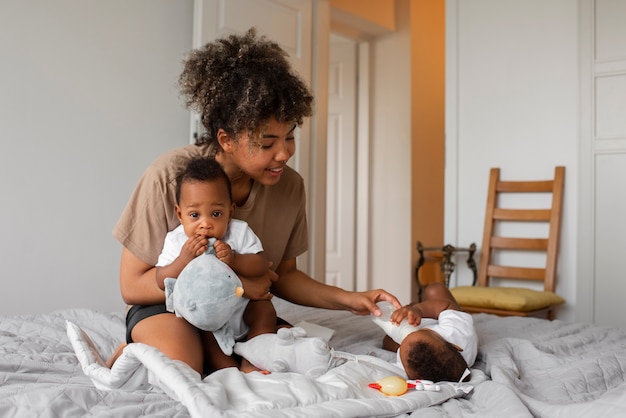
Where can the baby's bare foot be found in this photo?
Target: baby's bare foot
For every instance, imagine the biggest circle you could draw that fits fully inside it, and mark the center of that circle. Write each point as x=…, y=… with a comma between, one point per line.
x=247, y=367
x=118, y=352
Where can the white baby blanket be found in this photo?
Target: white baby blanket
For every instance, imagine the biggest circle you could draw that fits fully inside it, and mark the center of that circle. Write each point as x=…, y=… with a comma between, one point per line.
x=341, y=392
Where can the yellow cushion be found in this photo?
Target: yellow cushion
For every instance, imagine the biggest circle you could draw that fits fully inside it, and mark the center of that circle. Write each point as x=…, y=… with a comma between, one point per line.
x=508, y=298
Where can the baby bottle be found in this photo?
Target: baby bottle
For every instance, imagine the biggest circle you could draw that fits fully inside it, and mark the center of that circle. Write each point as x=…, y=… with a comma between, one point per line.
x=396, y=332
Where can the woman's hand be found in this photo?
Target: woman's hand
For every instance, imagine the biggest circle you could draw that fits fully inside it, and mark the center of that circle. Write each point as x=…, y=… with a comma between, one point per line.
x=364, y=303
x=259, y=288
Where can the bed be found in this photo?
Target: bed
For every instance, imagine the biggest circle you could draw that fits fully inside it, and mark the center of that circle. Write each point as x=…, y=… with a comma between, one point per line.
x=525, y=367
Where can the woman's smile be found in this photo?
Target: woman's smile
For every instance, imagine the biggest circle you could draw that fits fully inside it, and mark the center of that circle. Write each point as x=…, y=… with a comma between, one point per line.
x=275, y=171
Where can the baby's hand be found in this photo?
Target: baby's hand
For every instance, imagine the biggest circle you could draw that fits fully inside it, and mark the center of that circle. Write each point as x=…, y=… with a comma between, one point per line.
x=412, y=313
x=223, y=252
x=193, y=247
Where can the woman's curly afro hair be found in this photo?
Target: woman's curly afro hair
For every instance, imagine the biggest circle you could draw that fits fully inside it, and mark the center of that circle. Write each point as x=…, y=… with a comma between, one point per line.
x=239, y=82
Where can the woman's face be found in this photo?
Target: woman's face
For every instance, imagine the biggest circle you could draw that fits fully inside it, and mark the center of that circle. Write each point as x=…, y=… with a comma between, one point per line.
x=264, y=158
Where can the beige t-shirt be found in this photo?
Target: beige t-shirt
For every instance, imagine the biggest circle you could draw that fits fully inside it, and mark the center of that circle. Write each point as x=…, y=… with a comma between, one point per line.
x=275, y=213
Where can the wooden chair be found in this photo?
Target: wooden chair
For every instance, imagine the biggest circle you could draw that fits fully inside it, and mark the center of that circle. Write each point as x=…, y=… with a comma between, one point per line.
x=508, y=300
x=436, y=265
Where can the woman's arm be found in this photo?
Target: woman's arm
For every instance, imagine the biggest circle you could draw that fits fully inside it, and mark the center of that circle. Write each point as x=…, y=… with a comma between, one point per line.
x=170, y=271
x=250, y=265
x=138, y=281
x=297, y=287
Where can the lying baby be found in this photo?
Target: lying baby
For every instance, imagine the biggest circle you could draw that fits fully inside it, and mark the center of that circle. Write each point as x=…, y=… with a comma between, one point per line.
x=434, y=339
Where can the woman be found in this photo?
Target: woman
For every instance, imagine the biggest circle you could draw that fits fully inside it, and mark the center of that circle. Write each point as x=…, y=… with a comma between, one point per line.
x=250, y=102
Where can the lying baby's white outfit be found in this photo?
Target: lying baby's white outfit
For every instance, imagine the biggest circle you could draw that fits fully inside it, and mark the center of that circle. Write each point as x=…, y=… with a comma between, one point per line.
x=456, y=327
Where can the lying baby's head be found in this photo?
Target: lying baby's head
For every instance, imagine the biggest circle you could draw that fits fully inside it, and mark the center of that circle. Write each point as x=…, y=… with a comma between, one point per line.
x=427, y=355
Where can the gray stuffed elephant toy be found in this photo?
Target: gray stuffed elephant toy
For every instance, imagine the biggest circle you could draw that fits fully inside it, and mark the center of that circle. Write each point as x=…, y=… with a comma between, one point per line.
x=206, y=294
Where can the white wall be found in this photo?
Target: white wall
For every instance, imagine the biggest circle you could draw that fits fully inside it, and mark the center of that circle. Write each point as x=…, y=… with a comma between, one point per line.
x=87, y=99
x=512, y=102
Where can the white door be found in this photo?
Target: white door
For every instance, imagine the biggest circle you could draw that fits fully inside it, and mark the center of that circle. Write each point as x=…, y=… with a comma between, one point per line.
x=601, y=282
x=288, y=22
x=341, y=164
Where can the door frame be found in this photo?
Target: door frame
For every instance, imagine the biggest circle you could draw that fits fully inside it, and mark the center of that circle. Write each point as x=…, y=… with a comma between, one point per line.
x=362, y=253
x=360, y=214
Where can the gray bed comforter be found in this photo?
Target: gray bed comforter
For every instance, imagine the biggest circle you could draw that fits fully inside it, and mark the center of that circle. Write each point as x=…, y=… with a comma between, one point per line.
x=526, y=367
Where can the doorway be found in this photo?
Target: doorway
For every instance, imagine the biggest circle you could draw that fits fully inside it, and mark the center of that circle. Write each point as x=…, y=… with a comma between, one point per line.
x=347, y=181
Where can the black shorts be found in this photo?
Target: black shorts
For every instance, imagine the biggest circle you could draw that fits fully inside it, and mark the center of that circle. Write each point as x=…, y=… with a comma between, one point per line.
x=139, y=312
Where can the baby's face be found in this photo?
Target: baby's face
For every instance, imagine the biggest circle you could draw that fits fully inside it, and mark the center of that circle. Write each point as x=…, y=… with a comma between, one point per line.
x=204, y=208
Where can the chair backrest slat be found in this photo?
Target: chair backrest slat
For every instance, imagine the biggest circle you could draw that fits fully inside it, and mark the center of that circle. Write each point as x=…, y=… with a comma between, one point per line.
x=522, y=215
x=550, y=216
x=519, y=273
x=530, y=244
x=534, y=186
